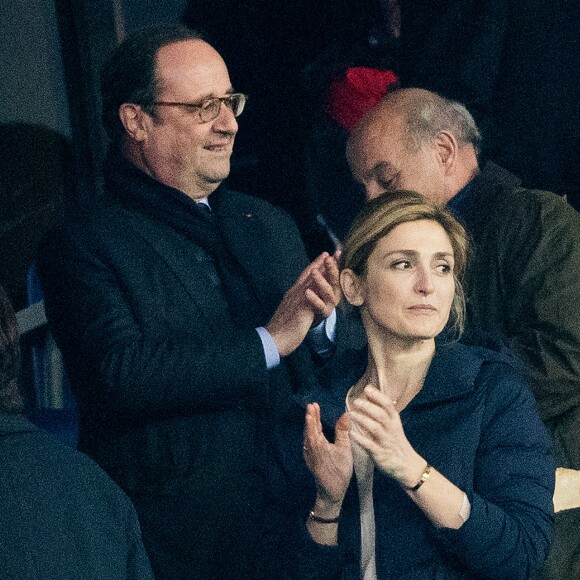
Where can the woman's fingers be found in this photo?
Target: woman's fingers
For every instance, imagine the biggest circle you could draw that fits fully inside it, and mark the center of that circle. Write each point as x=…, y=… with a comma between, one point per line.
x=366, y=442
x=375, y=412
x=315, y=441
x=374, y=396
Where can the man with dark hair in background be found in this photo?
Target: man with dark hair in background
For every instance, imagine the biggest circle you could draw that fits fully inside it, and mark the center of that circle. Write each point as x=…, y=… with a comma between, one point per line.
x=182, y=308
x=62, y=516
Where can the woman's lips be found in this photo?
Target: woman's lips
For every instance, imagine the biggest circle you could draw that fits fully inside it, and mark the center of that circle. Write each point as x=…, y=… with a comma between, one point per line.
x=423, y=308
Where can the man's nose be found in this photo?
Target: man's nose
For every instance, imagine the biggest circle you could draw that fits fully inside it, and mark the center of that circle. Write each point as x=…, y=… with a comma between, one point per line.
x=373, y=190
x=225, y=122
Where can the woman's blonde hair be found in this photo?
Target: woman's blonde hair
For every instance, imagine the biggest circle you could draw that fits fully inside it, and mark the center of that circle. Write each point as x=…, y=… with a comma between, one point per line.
x=384, y=213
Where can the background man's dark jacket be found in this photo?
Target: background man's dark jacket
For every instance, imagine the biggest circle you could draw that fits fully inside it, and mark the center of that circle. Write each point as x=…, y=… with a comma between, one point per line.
x=522, y=285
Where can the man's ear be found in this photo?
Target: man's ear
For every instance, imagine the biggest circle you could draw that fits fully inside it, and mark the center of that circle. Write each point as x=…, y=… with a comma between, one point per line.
x=135, y=121
x=447, y=148
x=351, y=287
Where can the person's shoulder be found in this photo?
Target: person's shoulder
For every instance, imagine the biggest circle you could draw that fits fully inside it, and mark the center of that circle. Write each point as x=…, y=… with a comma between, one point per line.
x=83, y=472
x=535, y=205
x=80, y=217
x=499, y=375
x=483, y=363
x=483, y=351
x=520, y=222
x=507, y=195
x=101, y=223
x=252, y=205
x=84, y=228
x=523, y=196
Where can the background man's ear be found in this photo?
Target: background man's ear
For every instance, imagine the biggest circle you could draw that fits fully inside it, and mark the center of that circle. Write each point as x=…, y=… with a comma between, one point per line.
x=447, y=147
x=351, y=287
x=134, y=120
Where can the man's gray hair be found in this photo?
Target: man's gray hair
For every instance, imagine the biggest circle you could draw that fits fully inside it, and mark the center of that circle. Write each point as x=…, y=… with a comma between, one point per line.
x=431, y=114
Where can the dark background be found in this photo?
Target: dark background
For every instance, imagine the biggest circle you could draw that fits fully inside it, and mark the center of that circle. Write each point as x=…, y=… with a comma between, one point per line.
x=514, y=63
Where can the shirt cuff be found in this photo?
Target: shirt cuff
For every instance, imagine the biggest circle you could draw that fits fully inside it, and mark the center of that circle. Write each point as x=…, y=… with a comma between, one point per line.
x=270, y=349
x=465, y=510
x=322, y=337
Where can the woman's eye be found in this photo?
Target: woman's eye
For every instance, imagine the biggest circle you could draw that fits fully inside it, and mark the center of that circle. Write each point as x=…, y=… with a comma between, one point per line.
x=401, y=264
x=443, y=268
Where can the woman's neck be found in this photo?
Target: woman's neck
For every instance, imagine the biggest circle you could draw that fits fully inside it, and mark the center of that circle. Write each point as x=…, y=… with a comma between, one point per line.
x=397, y=368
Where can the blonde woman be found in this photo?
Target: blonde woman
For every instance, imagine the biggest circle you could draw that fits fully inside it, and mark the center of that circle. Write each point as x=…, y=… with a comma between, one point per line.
x=438, y=466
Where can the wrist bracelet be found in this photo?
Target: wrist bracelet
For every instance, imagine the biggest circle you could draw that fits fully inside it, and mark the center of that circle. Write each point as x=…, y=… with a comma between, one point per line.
x=426, y=473
x=312, y=516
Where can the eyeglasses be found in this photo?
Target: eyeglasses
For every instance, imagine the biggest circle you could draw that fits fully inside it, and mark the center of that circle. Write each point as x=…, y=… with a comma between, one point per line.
x=209, y=109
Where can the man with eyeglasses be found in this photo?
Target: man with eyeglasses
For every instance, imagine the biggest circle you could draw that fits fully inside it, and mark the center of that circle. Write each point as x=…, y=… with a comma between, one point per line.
x=187, y=313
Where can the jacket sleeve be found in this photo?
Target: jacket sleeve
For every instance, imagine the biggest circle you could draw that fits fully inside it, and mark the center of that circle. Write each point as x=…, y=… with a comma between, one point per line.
x=286, y=550
x=109, y=338
x=508, y=532
x=543, y=314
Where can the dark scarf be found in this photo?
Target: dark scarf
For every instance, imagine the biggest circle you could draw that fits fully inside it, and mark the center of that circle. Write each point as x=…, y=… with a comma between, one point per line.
x=146, y=195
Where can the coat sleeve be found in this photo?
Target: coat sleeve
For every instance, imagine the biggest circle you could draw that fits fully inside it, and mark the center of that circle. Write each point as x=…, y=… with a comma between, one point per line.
x=114, y=342
x=542, y=311
x=508, y=532
x=286, y=550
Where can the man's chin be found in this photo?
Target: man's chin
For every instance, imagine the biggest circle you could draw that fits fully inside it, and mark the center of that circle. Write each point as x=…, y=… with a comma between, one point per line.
x=218, y=174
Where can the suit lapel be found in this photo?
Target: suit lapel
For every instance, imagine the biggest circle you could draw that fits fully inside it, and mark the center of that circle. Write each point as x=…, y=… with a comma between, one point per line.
x=190, y=264
x=244, y=236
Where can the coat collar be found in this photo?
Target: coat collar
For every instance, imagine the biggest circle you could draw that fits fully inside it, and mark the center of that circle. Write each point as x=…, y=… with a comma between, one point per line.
x=480, y=193
x=452, y=374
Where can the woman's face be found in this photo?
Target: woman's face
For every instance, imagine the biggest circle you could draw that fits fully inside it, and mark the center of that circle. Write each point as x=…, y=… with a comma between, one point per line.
x=408, y=288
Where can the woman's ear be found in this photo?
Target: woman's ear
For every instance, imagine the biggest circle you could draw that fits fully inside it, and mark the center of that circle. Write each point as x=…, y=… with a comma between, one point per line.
x=351, y=287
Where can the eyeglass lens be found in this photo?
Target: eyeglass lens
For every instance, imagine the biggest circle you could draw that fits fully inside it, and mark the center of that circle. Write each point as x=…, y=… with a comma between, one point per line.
x=235, y=102
x=210, y=109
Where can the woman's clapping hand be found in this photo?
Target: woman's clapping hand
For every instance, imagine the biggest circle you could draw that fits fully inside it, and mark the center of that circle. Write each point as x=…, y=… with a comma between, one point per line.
x=377, y=428
x=330, y=463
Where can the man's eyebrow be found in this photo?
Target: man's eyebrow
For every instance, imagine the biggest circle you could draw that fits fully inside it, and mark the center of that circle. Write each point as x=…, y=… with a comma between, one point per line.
x=207, y=96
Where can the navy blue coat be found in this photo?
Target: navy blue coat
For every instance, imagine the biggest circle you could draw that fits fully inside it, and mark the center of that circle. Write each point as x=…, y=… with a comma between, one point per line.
x=476, y=422
x=171, y=388
x=60, y=515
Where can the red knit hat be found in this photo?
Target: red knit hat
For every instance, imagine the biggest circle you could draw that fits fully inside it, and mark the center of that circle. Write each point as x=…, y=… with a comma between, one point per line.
x=356, y=91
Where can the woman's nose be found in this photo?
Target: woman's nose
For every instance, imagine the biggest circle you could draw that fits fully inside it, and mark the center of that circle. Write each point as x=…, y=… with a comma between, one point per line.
x=424, y=283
